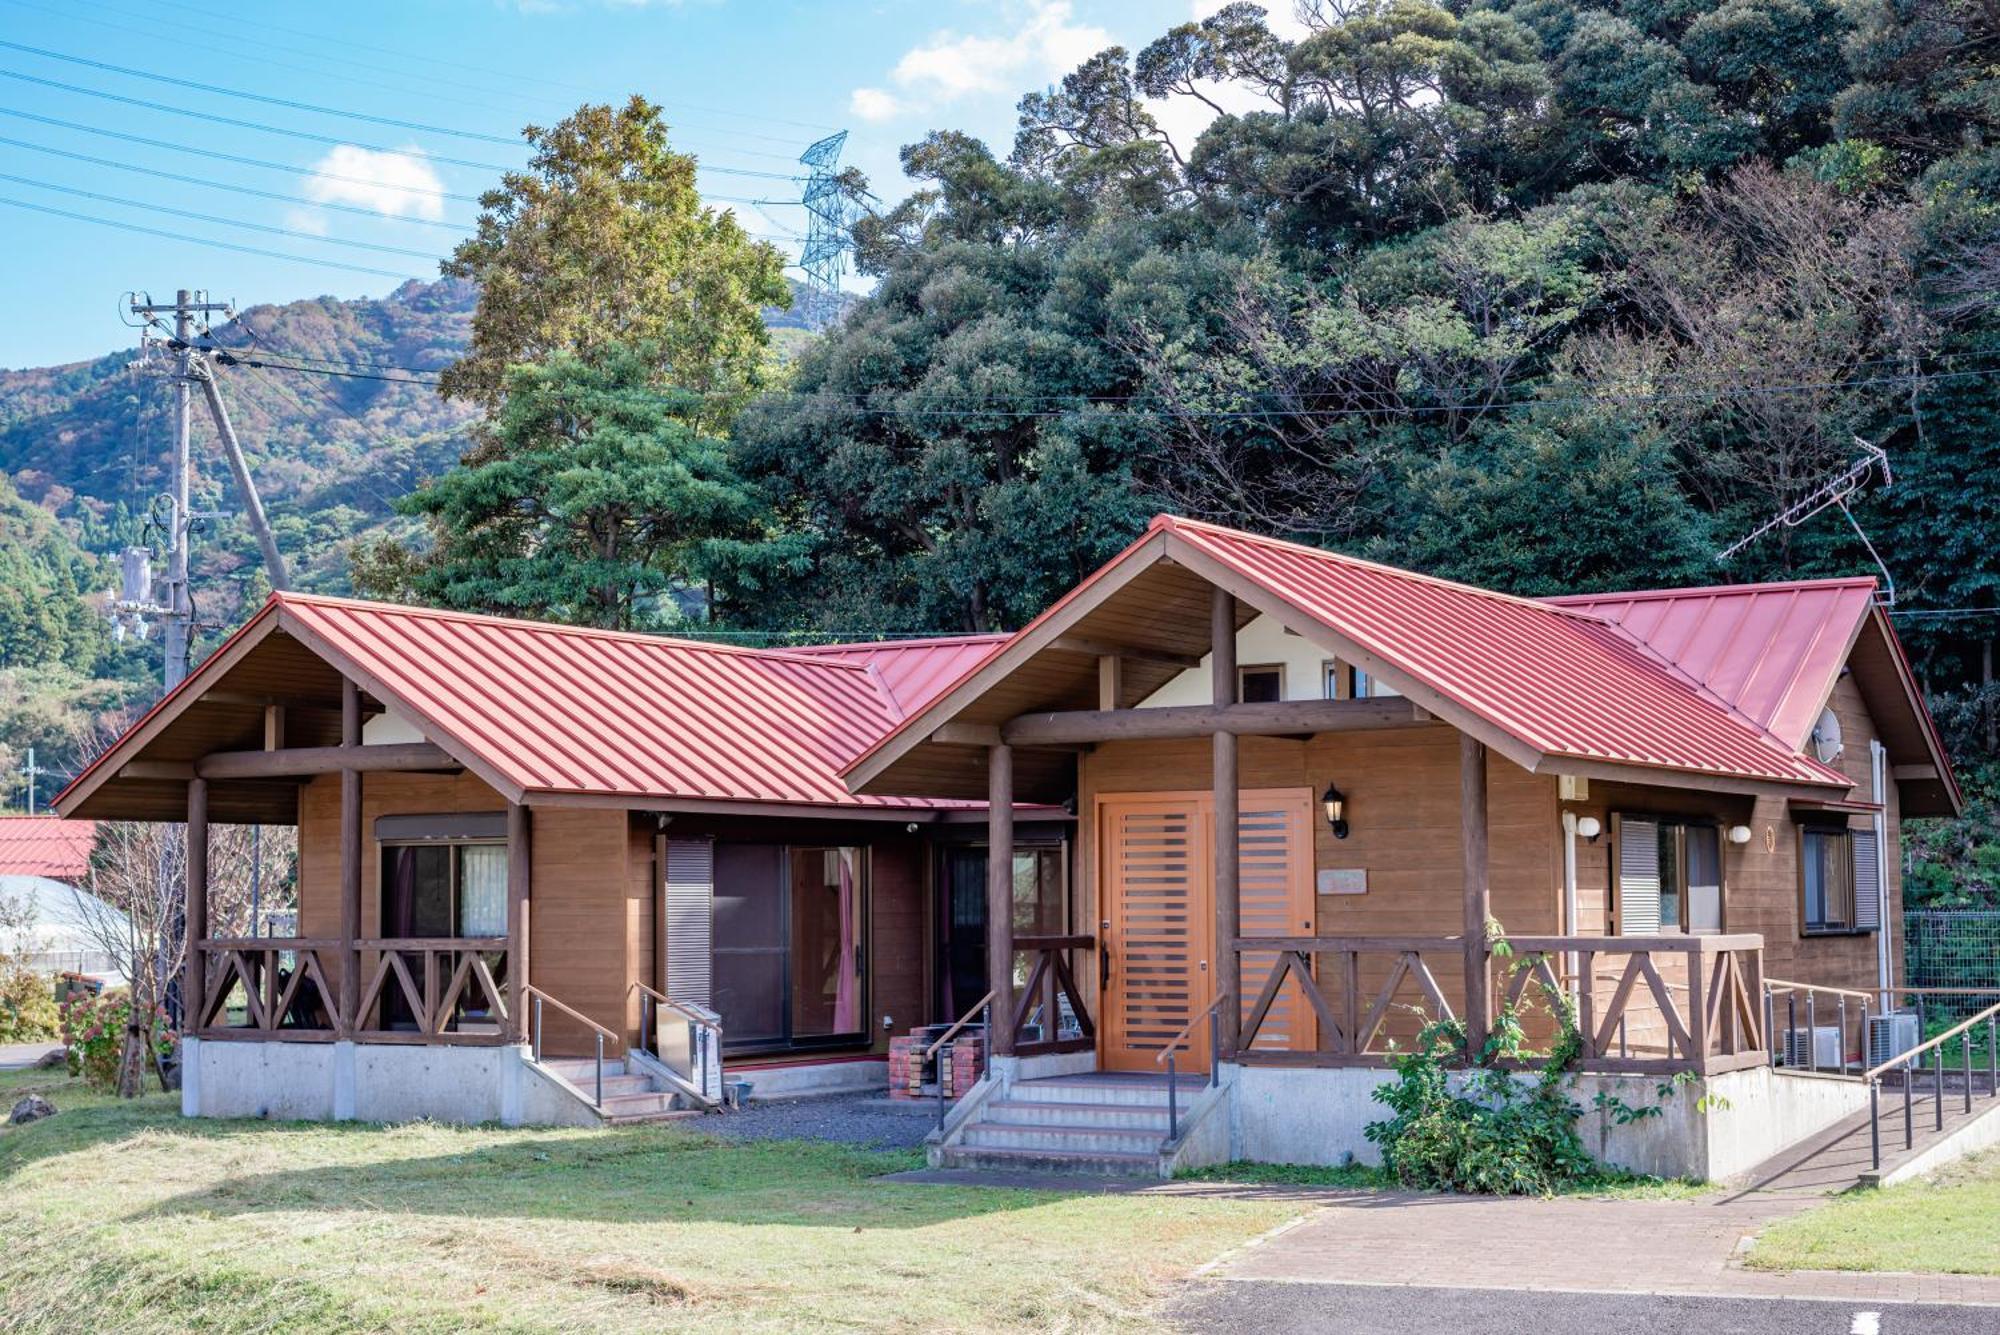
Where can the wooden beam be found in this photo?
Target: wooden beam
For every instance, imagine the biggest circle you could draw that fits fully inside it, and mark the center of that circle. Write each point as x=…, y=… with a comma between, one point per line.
x=265, y=700
x=519, y=893
x=1000, y=897
x=1913, y=773
x=194, y=976
x=1110, y=682
x=301, y=761
x=1082, y=644
x=1478, y=889
x=350, y=863
x=966, y=734
x=1272, y=718
x=1228, y=964
x=164, y=771
x=274, y=727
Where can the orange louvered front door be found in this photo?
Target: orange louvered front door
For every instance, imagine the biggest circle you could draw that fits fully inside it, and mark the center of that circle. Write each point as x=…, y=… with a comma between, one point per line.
x=1158, y=917
x=1156, y=876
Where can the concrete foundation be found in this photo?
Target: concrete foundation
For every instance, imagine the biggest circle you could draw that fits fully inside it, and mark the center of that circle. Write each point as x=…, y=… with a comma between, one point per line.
x=372, y=1082
x=803, y=1079
x=1318, y=1116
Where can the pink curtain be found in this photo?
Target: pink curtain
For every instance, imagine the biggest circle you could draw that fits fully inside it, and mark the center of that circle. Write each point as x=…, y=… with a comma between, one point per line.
x=847, y=981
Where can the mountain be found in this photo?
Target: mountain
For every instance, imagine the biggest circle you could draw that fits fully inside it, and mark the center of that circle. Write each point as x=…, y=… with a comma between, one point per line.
x=91, y=443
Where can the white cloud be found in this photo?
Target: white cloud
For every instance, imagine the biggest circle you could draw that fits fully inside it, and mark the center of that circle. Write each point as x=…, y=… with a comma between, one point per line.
x=306, y=220
x=395, y=185
x=949, y=65
x=874, y=104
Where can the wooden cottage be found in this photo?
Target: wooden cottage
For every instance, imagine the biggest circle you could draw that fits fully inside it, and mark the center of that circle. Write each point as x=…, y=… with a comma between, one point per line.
x=1233, y=808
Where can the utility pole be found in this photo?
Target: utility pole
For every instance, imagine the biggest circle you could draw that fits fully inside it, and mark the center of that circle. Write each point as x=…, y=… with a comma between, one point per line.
x=33, y=773
x=191, y=365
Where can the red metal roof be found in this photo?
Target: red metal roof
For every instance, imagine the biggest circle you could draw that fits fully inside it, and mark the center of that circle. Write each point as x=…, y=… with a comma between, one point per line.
x=46, y=846
x=1770, y=650
x=1563, y=680
x=561, y=709
x=913, y=672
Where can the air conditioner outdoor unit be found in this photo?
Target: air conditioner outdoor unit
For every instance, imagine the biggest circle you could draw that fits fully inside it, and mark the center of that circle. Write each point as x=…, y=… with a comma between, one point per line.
x=1891, y=1035
x=1825, y=1042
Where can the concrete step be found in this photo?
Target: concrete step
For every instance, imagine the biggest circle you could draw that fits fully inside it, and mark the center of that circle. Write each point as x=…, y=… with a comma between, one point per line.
x=1099, y=1163
x=578, y=1070
x=1065, y=1140
x=1128, y=1092
x=645, y=1118
x=1037, y=1112
x=626, y=1105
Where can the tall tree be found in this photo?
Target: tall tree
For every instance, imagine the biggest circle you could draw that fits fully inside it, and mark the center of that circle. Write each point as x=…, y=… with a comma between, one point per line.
x=593, y=499
x=604, y=239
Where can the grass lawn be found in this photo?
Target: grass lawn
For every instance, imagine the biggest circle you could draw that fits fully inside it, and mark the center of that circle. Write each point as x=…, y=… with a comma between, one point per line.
x=124, y=1215
x=1950, y=1225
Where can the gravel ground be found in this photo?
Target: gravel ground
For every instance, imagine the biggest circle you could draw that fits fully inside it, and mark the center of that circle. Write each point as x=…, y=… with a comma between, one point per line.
x=853, y=1119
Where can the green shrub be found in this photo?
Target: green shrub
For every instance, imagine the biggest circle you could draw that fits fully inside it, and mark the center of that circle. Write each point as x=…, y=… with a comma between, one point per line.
x=94, y=1030
x=27, y=1007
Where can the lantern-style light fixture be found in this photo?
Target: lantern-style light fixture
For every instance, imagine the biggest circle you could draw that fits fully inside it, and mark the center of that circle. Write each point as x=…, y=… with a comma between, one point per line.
x=1335, y=807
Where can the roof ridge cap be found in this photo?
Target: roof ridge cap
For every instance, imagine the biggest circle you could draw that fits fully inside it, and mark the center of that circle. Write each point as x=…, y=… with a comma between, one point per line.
x=1174, y=522
x=559, y=628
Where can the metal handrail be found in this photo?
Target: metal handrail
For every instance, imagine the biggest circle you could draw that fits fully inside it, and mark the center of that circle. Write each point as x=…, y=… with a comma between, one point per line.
x=1812, y=991
x=1784, y=985
x=984, y=1004
x=651, y=1000
x=1213, y=1015
x=538, y=996
x=1908, y=1061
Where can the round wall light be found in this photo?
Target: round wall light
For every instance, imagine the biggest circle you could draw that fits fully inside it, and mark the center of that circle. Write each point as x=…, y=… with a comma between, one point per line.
x=1589, y=827
x=1739, y=834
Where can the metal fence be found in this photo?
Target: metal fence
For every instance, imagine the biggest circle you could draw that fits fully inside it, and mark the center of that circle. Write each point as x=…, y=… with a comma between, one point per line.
x=1952, y=948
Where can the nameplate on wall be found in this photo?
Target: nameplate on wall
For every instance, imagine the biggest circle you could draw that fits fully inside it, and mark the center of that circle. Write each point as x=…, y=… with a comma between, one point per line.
x=1343, y=881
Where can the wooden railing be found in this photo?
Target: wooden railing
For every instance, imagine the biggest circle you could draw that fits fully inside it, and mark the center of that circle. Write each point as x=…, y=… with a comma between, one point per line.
x=1051, y=981
x=1643, y=1004
x=1350, y=1032
x=412, y=989
x=980, y=1008
x=536, y=999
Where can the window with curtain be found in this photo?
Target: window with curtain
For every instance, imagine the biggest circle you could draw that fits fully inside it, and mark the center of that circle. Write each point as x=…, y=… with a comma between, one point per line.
x=1669, y=876
x=1837, y=873
x=444, y=889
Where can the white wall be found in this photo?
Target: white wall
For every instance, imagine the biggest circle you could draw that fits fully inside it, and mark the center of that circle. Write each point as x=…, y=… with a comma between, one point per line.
x=1260, y=642
x=388, y=728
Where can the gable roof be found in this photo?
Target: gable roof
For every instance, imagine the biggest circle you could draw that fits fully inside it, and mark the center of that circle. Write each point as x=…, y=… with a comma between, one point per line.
x=1770, y=650
x=544, y=710
x=912, y=672
x=1556, y=687
x=46, y=846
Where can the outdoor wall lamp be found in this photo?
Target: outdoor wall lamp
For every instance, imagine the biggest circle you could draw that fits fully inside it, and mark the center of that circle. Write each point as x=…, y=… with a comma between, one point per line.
x=1335, y=807
x=1739, y=834
x=1589, y=827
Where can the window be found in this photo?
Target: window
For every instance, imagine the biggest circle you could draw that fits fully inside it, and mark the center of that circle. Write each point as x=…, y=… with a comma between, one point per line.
x=1345, y=681
x=1260, y=683
x=1837, y=876
x=789, y=959
x=444, y=888
x=1041, y=908
x=1669, y=876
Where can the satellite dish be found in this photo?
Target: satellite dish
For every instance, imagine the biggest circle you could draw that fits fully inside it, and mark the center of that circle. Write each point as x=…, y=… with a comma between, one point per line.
x=1826, y=743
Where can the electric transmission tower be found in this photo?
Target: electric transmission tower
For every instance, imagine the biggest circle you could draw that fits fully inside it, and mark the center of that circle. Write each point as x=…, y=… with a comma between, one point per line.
x=830, y=217
x=188, y=366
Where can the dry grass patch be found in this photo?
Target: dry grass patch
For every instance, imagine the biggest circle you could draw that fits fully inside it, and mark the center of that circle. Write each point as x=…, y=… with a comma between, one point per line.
x=125, y=1215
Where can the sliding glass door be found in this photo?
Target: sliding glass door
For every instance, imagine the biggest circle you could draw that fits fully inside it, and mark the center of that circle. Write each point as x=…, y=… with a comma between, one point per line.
x=789, y=958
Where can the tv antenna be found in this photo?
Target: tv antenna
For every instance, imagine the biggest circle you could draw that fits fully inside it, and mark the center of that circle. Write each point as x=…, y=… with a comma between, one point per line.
x=1834, y=494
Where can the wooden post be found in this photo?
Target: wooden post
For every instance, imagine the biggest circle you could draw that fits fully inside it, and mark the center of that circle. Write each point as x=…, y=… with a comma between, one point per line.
x=194, y=974
x=1000, y=896
x=350, y=864
x=1228, y=965
x=1110, y=681
x=1478, y=891
x=518, y=895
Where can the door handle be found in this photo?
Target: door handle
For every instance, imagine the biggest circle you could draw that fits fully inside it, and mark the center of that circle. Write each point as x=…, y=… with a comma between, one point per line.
x=1104, y=964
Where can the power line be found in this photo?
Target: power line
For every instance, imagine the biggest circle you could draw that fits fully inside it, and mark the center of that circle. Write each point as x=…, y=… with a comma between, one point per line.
x=289, y=168
x=308, y=136
x=202, y=241
x=509, y=141
x=221, y=221
x=207, y=184
x=178, y=35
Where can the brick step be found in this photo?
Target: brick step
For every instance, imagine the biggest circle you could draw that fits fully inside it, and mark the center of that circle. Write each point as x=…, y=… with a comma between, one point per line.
x=1033, y=1112
x=1098, y=1163
x=1064, y=1140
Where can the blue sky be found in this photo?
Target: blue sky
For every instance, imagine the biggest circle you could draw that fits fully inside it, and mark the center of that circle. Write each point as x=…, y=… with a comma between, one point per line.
x=746, y=84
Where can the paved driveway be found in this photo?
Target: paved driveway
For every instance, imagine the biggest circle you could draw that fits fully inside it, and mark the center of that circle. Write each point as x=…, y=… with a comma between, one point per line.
x=1567, y=1245
x=18, y=1056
